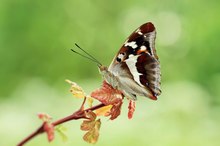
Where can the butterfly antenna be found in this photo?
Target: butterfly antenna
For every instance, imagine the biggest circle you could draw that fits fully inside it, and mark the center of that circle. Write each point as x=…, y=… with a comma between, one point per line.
x=90, y=56
x=84, y=56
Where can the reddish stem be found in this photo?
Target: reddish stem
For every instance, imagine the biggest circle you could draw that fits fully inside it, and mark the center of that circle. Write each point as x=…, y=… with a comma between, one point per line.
x=80, y=114
x=32, y=135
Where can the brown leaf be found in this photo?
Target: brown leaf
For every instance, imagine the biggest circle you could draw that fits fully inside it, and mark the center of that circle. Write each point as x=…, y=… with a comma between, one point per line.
x=93, y=134
x=87, y=125
x=47, y=126
x=107, y=94
x=115, y=110
x=92, y=126
x=98, y=124
x=44, y=117
x=91, y=115
x=90, y=122
x=131, y=109
x=49, y=129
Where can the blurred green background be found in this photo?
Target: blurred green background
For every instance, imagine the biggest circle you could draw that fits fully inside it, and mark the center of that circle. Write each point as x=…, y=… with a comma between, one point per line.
x=35, y=59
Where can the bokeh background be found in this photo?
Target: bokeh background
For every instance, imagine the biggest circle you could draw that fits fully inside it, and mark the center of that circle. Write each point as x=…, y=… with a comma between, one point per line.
x=35, y=59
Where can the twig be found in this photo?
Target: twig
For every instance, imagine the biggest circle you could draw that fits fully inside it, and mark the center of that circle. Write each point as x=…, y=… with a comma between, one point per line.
x=79, y=114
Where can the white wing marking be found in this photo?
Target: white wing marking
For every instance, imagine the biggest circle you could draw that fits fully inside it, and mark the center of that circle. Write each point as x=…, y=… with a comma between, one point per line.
x=131, y=61
x=131, y=44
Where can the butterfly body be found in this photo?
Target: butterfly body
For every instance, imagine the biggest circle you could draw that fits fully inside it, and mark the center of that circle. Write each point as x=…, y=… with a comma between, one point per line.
x=135, y=70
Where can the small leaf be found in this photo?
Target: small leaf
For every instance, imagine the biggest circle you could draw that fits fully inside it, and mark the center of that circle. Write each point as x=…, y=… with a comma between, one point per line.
x=44, y=117
x=91, y=115
x=87, y=125
x=98, y=124
x=90, y=101
x=90, y=122
x=47, y=126
x=61, y=131
x=103, y=111
x=93, y=134
x=115, y=110
x=107, y=94
x=76, y=90
x=49, y=129
x=92, y=126
x=131, y=109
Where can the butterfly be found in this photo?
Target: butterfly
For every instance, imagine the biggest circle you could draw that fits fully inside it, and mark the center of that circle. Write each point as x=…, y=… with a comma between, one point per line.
x=135, y=70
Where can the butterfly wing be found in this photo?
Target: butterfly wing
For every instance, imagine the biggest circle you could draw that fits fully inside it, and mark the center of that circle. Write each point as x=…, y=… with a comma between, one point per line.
x=136, y=64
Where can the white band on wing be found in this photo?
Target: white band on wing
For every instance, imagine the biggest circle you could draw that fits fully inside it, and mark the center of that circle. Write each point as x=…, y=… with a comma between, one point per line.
x=131, y=63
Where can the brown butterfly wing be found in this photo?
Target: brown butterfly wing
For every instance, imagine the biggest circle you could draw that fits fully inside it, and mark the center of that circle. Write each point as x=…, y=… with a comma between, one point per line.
x=138, y=57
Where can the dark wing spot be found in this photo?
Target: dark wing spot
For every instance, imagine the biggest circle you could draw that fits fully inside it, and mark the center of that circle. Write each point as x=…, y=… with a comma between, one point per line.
x=147, y=44
x=118, y=59
x=150, y=70
x=147, y=27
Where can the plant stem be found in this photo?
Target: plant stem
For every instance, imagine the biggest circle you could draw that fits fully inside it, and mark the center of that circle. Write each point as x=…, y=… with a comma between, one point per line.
x=79, y=114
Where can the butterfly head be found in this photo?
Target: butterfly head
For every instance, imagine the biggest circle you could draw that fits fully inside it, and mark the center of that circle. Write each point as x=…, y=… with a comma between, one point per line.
x=103, y=69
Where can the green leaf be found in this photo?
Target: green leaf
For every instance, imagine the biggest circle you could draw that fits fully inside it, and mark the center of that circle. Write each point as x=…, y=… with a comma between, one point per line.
x=61, y=131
